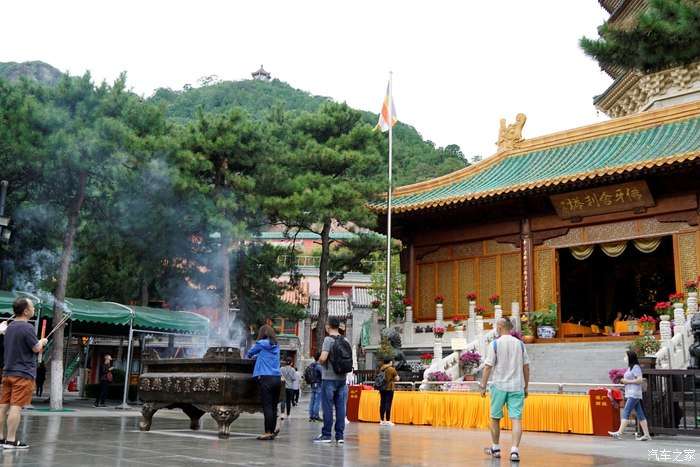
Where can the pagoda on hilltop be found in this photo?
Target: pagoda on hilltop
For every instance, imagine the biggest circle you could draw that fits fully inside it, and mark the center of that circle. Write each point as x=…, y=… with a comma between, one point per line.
x=261, y=75
x=634, y=91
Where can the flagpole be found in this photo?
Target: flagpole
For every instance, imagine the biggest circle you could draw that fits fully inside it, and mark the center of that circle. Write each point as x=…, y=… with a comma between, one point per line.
x=388, y=215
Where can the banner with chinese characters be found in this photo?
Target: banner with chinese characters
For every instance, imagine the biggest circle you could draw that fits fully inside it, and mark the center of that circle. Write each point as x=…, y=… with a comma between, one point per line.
x=603, y=200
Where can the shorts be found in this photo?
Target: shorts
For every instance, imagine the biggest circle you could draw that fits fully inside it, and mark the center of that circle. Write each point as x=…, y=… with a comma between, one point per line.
x=513, y=399
x=16, y=391
x=636, y=405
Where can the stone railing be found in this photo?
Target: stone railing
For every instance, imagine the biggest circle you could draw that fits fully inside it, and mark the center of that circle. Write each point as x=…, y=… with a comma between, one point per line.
x=674, y=353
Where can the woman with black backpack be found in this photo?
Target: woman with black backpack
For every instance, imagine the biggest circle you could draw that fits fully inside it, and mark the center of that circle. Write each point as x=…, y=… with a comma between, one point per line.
x=386, y=390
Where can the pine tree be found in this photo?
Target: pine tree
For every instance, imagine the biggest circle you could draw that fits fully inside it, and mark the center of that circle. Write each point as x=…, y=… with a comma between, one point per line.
x=665, y=35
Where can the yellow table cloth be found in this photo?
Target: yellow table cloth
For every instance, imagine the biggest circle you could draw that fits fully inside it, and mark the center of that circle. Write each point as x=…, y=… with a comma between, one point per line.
x=560, y=413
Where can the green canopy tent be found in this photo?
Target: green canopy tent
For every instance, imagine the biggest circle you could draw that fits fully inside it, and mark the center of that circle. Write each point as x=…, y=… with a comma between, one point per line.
x=8, y=298
x=122, y=320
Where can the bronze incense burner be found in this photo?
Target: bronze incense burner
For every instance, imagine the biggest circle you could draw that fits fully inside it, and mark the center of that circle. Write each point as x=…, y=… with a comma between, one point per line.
x=221, y=384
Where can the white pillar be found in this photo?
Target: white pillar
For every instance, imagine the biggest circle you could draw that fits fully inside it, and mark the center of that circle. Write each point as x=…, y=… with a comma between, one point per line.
x=439, y=314
x=437, y=349
x=678, y=314
x=408, y=325
x=471, y=322
x=692, y=304
x=515, y=316
x=409, y=314
x=665, y=332
x=497, y=313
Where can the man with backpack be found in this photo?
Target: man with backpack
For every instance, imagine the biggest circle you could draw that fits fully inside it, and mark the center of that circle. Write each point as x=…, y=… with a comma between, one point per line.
x=336, y=362
x=507, y=359
x=312, y=376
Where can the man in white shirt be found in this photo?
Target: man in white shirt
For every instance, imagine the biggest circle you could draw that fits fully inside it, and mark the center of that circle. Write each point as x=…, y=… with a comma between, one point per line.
x=507, y=360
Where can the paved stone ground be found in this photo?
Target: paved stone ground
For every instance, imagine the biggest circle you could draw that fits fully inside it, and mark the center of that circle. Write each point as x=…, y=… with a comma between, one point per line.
x=106, y=437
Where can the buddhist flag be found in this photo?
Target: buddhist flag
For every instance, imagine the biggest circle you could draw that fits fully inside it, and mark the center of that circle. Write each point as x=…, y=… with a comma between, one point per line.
x=388, y=113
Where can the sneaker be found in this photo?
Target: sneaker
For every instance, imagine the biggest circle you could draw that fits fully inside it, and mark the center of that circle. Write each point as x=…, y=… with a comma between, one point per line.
x=389, y=423
x=15, y=445
x=322, y=439
x=643, y=438
x=382, y=423
x=341, y=441
x=615, y=434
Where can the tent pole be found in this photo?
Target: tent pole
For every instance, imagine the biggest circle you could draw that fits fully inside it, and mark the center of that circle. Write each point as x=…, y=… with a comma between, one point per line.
x=124, y=405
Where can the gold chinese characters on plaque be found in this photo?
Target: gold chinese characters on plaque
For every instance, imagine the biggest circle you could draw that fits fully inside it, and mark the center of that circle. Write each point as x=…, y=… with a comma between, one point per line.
x=602, y=200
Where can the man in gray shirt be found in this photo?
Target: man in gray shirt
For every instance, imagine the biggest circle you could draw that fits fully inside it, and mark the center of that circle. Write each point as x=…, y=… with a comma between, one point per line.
x=289, y=375
x=334, y=392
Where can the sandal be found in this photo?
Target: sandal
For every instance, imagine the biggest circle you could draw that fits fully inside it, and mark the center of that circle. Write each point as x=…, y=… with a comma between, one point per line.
x=495, y=453
x=514, y=456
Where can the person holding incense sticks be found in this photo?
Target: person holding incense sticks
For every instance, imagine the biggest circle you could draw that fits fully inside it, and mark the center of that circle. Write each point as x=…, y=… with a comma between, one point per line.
x=21, y=347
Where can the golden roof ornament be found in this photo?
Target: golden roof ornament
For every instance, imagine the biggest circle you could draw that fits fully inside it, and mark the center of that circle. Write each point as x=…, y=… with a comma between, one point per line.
x=510, y=135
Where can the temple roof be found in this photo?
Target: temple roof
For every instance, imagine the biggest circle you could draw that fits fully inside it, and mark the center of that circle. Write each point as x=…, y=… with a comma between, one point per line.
x=626, y=145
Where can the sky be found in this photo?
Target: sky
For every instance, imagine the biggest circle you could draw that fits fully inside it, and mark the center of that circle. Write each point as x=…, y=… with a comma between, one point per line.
x=458, y=66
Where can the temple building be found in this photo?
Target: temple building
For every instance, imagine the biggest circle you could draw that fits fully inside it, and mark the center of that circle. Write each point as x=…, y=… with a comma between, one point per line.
x=632, y=91
x=591, y=222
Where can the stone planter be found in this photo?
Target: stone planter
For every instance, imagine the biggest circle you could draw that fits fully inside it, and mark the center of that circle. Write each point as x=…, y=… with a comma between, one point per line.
x=528, y=339
x=665, y=317
x=647, y=362
x=678, y=314
x=545, y=332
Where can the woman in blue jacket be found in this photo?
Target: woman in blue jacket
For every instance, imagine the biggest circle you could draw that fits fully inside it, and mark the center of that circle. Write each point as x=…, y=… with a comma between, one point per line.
x=266, y=352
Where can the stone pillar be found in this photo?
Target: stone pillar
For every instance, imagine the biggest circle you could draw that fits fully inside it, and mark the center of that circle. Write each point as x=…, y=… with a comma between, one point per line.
x=439, y=314
x=678, y=314
x=408, y=325
x=308, y=335
x=497, y=313
x=411, y=279
x=692, y=304
x=665, y=332
x=437, y=349
x=515, y=316
x=471, y=322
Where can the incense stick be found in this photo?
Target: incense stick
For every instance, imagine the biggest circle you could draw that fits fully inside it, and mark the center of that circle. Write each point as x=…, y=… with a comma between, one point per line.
x=60, y=323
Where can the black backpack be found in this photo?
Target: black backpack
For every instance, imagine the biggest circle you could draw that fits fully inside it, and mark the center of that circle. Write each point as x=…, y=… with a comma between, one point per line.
x=310, y=374
x=380, y=381
x=340, y=356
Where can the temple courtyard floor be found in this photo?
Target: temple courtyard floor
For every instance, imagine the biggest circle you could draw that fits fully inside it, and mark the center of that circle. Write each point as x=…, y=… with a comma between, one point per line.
x=108, y=437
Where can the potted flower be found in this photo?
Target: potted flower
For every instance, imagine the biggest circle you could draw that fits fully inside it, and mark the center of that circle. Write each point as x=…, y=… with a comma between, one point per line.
x=426, y=358
x=480, y=310
x=648, y=324
x=663, y=309
x=469, y=361
x=645, y=346
x=494, y=299
x=439, y=331
x=419, y=329
x=545, y=323
x=691, y=286
x=676, y=297
x=439, y=299
x=439, y=376
x=471, y=296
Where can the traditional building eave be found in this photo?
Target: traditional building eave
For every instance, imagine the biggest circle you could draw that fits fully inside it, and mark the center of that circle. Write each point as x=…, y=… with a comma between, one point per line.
x=619, y=135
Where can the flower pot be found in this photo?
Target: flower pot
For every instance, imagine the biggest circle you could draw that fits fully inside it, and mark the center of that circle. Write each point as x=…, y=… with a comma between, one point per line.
x=545, y=332
x=665, y=317
x=528, y=339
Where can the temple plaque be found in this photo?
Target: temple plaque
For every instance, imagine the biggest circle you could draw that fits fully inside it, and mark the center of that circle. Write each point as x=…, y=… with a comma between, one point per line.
x=603, y=200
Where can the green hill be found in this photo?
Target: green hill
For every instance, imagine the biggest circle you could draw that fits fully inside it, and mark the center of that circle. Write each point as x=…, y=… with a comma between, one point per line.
x=415, y=159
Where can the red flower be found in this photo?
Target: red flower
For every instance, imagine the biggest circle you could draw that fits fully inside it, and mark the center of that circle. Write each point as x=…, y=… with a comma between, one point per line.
x=471, y=296
x=494, y=299
x=676, y=297
x=647, y=319
x=662, y=307
x=407, y=301
x=426, y=356
x=691, y=286
x=480, y=310
x=439, y=299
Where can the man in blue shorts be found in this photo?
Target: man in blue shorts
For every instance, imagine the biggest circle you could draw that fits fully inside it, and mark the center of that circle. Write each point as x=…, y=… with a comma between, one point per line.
x=507, y=360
